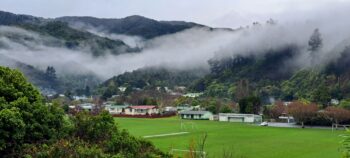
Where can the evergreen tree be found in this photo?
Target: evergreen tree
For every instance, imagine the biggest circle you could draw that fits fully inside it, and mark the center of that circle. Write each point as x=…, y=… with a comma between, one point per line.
x=23, y=116
x=315, y=42
x=87, y=91
x=51, y=73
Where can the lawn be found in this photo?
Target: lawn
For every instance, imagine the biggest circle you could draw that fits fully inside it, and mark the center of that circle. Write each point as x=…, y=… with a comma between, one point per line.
x=244, y=140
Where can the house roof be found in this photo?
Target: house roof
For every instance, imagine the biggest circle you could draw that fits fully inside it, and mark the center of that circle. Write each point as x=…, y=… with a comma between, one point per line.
x=117, y=106
x=142, y=107
x=238, y=115
x=195, y=112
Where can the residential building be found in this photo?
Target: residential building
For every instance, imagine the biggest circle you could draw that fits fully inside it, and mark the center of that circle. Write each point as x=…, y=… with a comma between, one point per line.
x=141, y=110
x=244, y=118
x=184, y=108
x=116, y=109
x=87, y=106
x=193, y=95
x=170, y=109
x=196, y=115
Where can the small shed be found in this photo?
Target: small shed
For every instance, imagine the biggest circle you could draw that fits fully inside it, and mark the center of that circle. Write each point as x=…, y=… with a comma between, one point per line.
x=196, y=115
x=244, y=118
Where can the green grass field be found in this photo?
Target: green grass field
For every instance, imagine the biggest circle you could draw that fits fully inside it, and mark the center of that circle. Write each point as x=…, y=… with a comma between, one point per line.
x=245, y=140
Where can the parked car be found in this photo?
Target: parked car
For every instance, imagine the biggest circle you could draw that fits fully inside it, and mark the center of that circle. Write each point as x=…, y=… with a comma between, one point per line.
x=264, y=124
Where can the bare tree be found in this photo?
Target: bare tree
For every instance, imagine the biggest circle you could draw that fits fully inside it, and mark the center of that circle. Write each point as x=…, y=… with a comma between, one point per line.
x=277, y=110
x=98, y=108
x=337, y=115
x=302, y=112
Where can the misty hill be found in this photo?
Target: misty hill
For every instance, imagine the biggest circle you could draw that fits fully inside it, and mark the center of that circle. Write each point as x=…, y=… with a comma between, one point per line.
x=51, y=84
x=71, y=38
x=22, y=33
x=7, y=18
x=73, y=31
x=79, y=39
x=131, y=25
x=271, y=76
x=150, y=78
x=34, y=75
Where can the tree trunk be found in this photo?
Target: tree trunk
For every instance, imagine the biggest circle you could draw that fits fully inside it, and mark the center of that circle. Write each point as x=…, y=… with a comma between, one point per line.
x=336, y=124
x=302, y=125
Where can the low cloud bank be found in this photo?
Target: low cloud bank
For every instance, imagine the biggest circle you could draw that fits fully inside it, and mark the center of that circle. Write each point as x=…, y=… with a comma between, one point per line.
x=192, y=48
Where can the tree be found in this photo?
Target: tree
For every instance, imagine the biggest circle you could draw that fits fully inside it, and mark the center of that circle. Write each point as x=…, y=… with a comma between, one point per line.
x=87, y=91
x=345, y=103
x=322, y=95
x=12, y=129
x=277, y=110
x=24, y=118
x=302, y=112
x=315, y=41
x=250, y=105
x=242, y=90
x=28, y=128
x=50, y=76
x=225, y=109
x=337, y=114
x=95, y=136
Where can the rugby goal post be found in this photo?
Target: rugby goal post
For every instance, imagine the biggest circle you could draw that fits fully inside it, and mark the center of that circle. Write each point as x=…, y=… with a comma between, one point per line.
x=186, y=125
x=335, y=126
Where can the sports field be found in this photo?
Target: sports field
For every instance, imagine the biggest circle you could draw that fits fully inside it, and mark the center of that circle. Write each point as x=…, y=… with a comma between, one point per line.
x=244, y=140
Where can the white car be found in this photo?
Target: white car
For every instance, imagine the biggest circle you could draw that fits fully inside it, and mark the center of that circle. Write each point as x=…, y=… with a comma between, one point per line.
x=264, y=124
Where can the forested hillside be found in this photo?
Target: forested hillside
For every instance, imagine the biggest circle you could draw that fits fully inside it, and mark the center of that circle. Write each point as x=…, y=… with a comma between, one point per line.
x=150, y=78
x=131, y=25
x=22, y=33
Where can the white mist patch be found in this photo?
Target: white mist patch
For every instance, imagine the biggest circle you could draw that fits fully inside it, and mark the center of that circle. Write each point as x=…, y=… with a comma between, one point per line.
x=132, y=41
x=192, y=48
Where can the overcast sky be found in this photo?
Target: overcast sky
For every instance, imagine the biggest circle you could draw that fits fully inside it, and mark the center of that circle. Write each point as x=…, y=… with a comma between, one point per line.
x=217, y=13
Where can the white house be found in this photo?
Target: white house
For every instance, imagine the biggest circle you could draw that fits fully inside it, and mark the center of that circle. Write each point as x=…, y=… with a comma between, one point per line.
x=246, y=118
x=184, y=108
x=84, y=106
x=122, y=89
x=87, y=106
x=192, y=95
x=335, y=102
x=80, y=98
x=141, y=110
x=170, y=109
x=196, y=115
x=116, y=109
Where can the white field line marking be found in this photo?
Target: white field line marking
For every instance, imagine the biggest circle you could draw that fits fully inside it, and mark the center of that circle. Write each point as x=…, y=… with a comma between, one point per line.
x=163, y=135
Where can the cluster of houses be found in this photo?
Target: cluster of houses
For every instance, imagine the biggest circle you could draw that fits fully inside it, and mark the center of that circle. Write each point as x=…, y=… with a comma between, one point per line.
x=120, y=109
x=184, y=112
